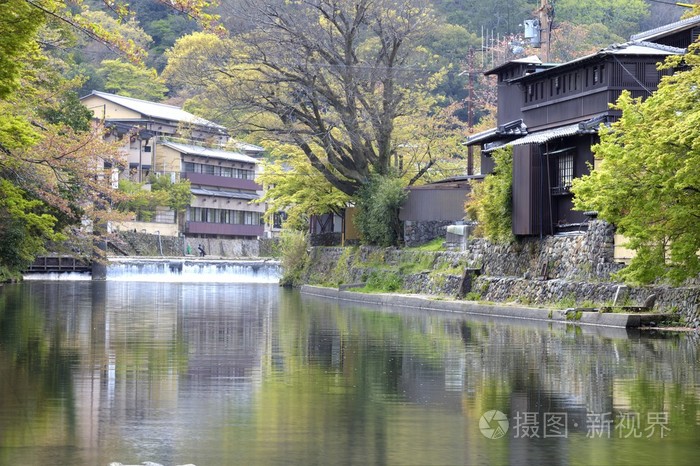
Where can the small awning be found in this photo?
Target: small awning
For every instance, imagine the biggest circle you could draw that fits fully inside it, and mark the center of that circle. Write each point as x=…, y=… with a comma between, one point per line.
x=545, y=136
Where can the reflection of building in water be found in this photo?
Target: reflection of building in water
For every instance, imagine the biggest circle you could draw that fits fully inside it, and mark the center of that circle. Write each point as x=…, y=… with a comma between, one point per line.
x=225, y=343
x=152, y=352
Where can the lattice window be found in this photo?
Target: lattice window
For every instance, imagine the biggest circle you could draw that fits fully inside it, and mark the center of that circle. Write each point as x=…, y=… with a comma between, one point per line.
x=566, y=171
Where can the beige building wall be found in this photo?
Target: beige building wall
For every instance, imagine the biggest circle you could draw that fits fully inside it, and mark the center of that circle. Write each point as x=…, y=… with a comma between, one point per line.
x=167, y=159
x=103, y=108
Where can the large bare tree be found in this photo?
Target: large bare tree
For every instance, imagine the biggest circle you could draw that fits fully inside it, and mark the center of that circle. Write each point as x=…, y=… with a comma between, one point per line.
x=344, y=80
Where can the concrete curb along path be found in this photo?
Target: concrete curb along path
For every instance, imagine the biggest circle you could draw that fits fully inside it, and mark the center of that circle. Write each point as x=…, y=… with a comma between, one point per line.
x=616, y=320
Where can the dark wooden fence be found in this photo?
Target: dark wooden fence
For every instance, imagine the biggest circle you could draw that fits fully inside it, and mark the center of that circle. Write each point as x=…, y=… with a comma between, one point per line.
x=49, y=264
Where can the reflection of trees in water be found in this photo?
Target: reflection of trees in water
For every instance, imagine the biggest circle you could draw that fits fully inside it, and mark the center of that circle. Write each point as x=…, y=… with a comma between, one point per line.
x=36, y=373
x=571, y=368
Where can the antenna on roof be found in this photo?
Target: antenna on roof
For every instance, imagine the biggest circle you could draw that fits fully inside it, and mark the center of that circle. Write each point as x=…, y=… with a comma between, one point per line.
x=539, y=30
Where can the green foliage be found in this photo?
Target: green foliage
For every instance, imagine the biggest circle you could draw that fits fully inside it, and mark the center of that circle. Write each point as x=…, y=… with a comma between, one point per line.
x=383, y=281
x=294, y=247
x=648, y=183
x=141, y=201
x=490, y=201
x=567, y=302
x=341, y=272
x=24, y=229
x=18, y=25
x=293, y=186
x=131, y=80
x=473, y=296
x=621, y=16
x=69, y=111
x=499, y=16
x=416, y=262
x=378, y=204
x=179, y=193
x=434, y=245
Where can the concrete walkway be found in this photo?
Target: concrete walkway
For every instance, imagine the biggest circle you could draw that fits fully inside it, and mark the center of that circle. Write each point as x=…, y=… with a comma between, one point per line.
x=518, y=312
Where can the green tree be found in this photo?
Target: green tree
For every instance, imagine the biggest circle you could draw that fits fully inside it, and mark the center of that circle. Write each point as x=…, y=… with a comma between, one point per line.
x=293, y=186
x=378, y=203
x=68, y=111
x=129, y=80
x=622, y=17
x=294, y=247
x=24, y=229
x=18, y=26
x=500, y=17
x=87, y=54
x=490, y=202
x=179, y=194
x=647, y=182
x=142, y=202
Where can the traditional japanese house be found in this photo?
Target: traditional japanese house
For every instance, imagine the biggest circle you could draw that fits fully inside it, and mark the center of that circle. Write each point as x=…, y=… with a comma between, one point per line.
x=550, y=115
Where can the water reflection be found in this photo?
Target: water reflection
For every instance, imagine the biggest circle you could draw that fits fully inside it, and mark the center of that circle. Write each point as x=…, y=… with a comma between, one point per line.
x=92, y=373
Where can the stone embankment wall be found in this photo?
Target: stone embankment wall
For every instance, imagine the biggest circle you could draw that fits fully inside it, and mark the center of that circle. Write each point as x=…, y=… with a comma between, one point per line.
x=144, y=244
x=417, y=233
x=575, y=268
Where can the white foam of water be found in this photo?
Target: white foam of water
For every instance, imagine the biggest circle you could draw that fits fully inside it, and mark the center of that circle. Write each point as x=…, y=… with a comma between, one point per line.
x=55, y=276
x=188, y=272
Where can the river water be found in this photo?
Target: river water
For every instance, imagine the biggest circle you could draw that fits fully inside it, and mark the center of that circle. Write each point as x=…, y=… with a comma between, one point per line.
x=93, y=373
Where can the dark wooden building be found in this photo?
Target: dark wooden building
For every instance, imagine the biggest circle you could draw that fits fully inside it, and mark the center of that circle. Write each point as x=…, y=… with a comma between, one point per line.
x=550, y=115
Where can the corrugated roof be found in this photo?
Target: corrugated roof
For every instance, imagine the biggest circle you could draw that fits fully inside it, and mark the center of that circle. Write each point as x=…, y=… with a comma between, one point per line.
x=206, y=152
x=156, y=110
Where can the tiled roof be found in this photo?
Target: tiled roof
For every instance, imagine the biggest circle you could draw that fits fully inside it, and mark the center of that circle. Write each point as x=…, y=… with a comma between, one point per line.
x=667, y=28
x=483, y=136
x=547, y=135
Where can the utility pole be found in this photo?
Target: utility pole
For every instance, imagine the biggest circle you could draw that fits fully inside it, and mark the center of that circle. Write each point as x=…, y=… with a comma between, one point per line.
x=545, y=14
x=470, y=108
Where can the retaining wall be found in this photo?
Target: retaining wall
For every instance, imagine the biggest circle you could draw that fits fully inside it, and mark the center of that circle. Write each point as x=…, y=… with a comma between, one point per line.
x=144, y=244
x=575, y=267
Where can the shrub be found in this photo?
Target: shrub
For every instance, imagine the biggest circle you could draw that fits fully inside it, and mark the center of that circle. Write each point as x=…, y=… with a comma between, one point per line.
x=378, y=204
x=383, y=281
x=293, y=246
x=490, y=202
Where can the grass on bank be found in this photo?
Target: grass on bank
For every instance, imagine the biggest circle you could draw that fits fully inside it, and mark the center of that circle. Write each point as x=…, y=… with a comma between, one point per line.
x=435, y=245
